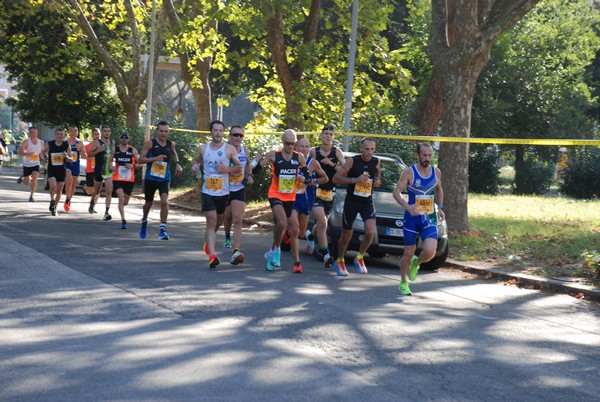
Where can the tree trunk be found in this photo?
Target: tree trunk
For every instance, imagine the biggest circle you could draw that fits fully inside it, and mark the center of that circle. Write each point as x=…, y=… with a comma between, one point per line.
x=430, y=108
x=203, y=107
x=132, y=113
x=454, y=156
x=462, y=35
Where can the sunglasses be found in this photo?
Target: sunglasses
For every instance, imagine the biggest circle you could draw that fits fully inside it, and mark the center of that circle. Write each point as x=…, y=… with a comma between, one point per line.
x=238, y=135
x=289, y=143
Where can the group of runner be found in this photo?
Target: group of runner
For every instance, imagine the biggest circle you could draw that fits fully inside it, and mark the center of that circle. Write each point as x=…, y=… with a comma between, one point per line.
x=303, y=181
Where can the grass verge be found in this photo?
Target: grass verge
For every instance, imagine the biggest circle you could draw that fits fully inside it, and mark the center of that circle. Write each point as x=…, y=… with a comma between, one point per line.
x=550, y=231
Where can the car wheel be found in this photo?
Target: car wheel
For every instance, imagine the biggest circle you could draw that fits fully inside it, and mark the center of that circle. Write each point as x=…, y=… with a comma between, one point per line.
x=437, y=261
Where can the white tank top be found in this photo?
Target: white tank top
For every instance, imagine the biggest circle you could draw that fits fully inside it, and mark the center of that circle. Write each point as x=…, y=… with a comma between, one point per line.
x=33, y=160
x=215, y=183
x=236, y=181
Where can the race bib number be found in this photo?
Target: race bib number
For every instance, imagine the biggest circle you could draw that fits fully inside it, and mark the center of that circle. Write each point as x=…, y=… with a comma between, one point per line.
x=300, y=188
x=74, y=156
x=159, y=169
x=34, y=158
x=92, y=162
x=124, y=173
x=214, y=184
x=363, y=188
x=424, y=204
x=325, y=195
x=57, y=158
x=286, y=183
x=236, y=178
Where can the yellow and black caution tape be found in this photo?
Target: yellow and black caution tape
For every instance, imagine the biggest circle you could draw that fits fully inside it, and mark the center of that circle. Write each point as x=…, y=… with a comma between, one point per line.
x=472, y=140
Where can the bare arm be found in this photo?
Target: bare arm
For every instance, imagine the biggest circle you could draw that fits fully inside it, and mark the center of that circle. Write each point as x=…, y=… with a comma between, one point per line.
x=175, y=159
x=316, y=168
x=405, y=180
x=377, y=178
x=144, y=153
x=341, y=176
x=237, y=165
x=439, y=191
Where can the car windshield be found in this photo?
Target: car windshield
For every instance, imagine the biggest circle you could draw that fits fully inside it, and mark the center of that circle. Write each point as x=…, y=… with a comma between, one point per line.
x=390, y=174
x=391, y=169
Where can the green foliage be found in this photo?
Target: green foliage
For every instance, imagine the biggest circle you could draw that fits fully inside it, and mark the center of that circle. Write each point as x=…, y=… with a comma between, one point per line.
x=535, y=84
x=483, y=169
x=533, y=176
x=592, y=259
x=322, y=63
x=59, y=82
x=581, y=179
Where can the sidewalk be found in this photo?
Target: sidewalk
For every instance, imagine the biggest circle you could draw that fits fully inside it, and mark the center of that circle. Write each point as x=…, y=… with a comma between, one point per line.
x=573, y=288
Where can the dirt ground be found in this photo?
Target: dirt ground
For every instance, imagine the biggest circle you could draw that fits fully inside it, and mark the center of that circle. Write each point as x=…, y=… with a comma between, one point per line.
x=260, y=217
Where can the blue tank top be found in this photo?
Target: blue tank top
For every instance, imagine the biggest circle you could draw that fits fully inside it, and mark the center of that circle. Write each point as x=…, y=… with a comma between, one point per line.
x=159, y=171
x=422, y=190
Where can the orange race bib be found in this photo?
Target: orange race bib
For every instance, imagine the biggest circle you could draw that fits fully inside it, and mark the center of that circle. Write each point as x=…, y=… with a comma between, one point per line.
x=300, y=188
x=363, y=188
x=74, y=156
x=424, y=204
x=159, y=169
x=214, y=184
x=325, y=195
x=57, y=158
x=236, y=178
x=34, y=158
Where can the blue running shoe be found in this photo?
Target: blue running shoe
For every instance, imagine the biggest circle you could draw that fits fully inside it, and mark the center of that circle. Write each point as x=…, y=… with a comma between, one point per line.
x=340, y=268
x=143, y=229
x=123, y=224
x=276, y=260
x=269, y=264
x=163, y=235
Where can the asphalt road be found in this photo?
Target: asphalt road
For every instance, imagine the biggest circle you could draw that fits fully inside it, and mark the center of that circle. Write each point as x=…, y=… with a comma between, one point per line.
x=92, y=312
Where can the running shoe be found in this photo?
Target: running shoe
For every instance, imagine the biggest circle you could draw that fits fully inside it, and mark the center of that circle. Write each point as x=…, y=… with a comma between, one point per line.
x=67, y=206
x=310, y=247
x=297, y=268
x=206, y=249
x=276, y=259
x=163, y=235
x=213, y=261
x=91, y=208
x=106, y=217
x=340, y=268
x=52, y=205
x=144, y=229
x=327, y=259
x=54, y=212
x=20, y=180
x=269, y=264
x=31, y=198
x=237, y=257
x=404, y=289
x=227, y=243
x=123, y=224
x=360, y=266
x=414, y=268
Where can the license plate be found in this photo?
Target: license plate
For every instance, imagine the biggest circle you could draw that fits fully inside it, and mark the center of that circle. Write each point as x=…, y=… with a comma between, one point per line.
x=394, y=232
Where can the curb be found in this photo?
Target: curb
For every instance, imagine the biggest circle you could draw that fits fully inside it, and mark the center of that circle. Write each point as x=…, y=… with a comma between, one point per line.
x=528, y=281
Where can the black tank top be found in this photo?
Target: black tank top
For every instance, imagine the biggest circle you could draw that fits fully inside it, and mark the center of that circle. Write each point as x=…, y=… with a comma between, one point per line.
x=56, y=149
x=329, y=170
x=358, y=167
